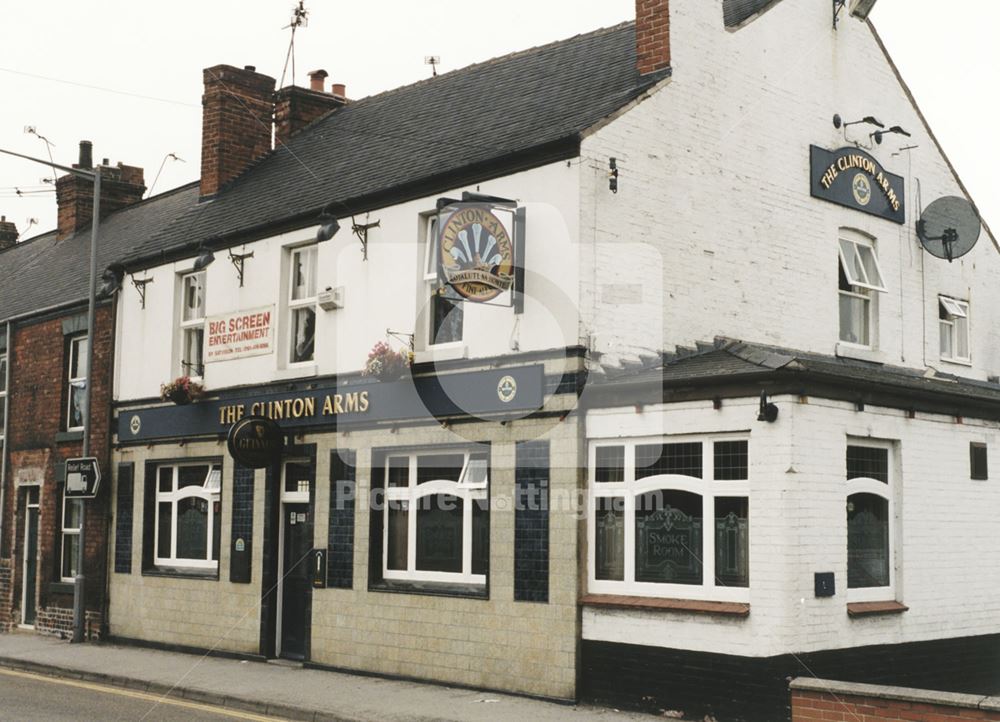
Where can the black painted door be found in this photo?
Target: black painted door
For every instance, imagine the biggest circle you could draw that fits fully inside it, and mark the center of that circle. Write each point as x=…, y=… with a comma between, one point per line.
x=296, y=585
x=30, y=555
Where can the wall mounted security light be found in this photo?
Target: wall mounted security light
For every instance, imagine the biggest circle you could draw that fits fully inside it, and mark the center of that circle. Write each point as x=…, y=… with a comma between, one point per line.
x=204, y=259
x=879, y=134
x=111, y=281
x=613, y=175
x=328, y=226
x=838, y=122
x=768, y=411
x=861, y=9
x=237, y=260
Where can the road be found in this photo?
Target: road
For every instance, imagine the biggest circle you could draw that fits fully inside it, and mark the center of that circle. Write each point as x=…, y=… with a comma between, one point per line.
x=34, y=697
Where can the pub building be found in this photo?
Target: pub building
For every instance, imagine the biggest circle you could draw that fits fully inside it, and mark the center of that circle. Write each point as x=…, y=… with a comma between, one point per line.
x=589, y=380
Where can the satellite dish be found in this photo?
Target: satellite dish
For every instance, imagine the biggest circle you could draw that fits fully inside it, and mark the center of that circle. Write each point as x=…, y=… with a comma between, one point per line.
x=949, y=227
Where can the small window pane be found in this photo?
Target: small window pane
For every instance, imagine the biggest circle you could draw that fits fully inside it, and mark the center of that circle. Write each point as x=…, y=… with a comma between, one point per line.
x=191, y=476
x=434, y=467
x=668, y=533
x=304, y=273
x=730, y=460
x=480, y=536
x=399, y=471
x=609, y=544
x=432, y=246
x=303, y=334
x=978, y=458
x=448, y=319
x=70, y=555
x=216, y=528
x=439, y=533
x=194, y=297
x=732, y=542
x=870, y=262
x=962, y=338
x=610, y=464
x=71, y=514
x=164, y=519
x=854, y=319
x=192, y=362
x=298, y=476
x=867, y=541
x=78, y=358
x=654, y=459
x=868, y=462
x=854, y=269
x=946, y=331
x=192, y=528
x=166, y=475
x=3, y=410
x=77, y=399
x=3, y=374
x=397, y=533
x=477, y=470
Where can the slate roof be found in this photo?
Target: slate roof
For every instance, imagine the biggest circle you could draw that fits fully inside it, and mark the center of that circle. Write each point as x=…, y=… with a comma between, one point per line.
x=729, y=359
x=423, y=133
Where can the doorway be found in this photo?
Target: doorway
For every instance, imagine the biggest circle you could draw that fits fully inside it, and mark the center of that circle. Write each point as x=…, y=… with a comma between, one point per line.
x=30, y=575
x=295, y=547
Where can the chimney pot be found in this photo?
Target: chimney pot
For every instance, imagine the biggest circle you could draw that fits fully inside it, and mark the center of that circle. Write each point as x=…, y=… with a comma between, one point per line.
x=316, y=79
x=339, y=89
x=8, y=234
x=86, y=154
x=251, y=68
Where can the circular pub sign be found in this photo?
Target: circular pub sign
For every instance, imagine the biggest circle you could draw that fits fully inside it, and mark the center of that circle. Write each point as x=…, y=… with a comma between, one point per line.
x=255, y=442
x=476, y=254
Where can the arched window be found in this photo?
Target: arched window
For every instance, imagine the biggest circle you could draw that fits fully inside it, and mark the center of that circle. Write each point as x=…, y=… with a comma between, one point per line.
x=670, y=517
x=870, y=573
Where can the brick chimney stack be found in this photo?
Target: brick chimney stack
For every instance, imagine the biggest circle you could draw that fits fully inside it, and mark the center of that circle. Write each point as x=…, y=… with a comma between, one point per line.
x=236, y=123
x=295, y=108
x=8, y=234
x=121, y=185
x=652, y=35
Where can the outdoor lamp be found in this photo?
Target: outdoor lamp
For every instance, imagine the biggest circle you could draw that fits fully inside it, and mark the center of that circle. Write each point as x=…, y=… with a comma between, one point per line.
x=204, y=259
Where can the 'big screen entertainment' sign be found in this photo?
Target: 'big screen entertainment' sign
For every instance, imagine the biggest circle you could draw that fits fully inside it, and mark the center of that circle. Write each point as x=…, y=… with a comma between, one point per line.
x=850, y=177
x=239, y=334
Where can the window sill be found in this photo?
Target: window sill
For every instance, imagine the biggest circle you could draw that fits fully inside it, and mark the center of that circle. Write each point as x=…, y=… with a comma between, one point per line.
x=616, y=601
x=61, y=587
x=212, y=574
x=868, y=609
x=860, y=353
x=433, y=589
x=957, y=361
x=63, y=436
x=306, y=370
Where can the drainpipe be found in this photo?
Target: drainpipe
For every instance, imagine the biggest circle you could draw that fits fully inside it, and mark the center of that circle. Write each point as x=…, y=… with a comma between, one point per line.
x=6, y=415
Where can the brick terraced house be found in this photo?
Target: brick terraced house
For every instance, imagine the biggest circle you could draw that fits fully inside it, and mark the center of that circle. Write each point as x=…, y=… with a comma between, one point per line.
x=573, y=373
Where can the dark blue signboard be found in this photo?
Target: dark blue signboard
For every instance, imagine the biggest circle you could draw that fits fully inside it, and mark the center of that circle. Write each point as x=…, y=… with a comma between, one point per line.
x=503, y=393
x=851, y=177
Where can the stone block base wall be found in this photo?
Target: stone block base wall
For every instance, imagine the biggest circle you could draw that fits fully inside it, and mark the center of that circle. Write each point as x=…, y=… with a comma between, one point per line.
x=755, y=689
x=821, y=700
x=6, y=594
x=59, y=621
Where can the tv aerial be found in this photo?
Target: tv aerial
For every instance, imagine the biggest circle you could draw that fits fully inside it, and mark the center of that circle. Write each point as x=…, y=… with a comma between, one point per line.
x=949, y=227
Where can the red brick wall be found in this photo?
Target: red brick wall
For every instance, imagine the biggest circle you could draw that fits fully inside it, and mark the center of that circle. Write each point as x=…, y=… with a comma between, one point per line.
x=652, y=35
x=36, y=411
x=809, y=706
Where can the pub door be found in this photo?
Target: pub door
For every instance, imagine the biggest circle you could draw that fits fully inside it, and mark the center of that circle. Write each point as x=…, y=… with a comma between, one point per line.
x=294, y=579
x=30, y=575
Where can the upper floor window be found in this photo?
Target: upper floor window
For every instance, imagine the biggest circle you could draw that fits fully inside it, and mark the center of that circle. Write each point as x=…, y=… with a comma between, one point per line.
x=302, y=304
x=446, y=316
x=3, y=394
x=651, y=500
x=953, y=318
x=193, y=324
x=188, y=515
x=870, y=571
x=76, y=376
x=860, y=278
x=70, y=565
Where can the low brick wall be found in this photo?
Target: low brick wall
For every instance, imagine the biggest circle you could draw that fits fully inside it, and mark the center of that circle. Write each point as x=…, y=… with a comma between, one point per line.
x=821, y=700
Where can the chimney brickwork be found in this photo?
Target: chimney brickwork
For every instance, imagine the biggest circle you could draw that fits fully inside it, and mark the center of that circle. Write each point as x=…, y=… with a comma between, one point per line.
x=237, y=106
x=8, y=234
x=121, y=185
x=295, y=107
x=652, y=35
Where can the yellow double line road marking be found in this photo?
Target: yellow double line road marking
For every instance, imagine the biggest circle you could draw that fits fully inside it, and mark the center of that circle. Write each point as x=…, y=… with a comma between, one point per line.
x=146, y=696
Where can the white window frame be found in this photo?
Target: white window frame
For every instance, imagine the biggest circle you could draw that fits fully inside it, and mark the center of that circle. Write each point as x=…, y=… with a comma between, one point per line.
x=77, y=346
x=868, y=485
x=3, y=396
x=411, y=494
x=68, y=531
x=296, y=304
x=856, y=247
x=210, y=493
x=706, y=487
x=195, y=323
x=430, y=276
x=950, y=328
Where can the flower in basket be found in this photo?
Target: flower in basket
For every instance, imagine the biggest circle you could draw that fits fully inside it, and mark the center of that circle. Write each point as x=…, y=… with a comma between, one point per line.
x=385, y=364
x=181, y=390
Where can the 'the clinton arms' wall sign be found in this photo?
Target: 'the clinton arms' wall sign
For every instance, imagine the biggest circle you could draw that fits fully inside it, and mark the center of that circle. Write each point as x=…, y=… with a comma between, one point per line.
x=850, y=177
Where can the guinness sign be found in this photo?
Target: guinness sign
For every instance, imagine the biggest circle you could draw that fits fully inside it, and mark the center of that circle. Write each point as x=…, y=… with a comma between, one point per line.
x=255, y=442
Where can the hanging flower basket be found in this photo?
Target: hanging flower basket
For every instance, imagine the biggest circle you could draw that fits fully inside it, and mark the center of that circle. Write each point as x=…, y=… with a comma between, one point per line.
x=182, y=391
x=384, y=364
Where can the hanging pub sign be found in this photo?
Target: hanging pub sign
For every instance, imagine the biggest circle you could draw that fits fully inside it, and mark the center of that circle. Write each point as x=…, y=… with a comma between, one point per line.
x=476, y=253
x=853, y=178
x=255, y=442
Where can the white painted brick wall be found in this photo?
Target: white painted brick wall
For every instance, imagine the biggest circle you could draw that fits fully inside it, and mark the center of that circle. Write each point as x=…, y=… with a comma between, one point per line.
x=715, y=177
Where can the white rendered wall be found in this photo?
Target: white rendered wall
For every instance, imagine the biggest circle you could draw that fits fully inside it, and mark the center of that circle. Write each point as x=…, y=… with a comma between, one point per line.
x=714, y=176
x=386, y=291
x=947, y=551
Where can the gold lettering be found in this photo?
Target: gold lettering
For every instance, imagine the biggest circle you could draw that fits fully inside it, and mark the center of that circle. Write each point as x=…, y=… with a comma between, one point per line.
x=327, y=406
x=298, y=407
x=352, y=403
x=310, y=406
x=277, y=411
x=240, y=412
x=222, y=414
x=363, y=406
x=337, y=407
x=288, y=408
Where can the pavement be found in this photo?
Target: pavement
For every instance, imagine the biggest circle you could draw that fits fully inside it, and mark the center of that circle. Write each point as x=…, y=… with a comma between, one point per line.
x=277, y=690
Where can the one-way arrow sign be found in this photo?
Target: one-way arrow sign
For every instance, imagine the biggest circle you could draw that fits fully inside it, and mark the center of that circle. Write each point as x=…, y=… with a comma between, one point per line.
x=83, y=478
